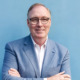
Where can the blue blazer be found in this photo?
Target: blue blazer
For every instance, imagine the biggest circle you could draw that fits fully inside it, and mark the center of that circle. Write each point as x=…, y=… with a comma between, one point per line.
x=20, y=54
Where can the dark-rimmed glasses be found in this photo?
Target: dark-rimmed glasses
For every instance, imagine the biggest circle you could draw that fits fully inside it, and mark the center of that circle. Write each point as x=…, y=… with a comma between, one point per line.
x=35, y=20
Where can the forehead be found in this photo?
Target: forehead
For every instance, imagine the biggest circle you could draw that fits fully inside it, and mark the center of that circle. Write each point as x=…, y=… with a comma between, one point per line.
x=39, y=11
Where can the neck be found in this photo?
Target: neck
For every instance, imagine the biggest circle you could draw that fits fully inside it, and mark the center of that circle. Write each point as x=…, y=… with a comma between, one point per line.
x=39, y=41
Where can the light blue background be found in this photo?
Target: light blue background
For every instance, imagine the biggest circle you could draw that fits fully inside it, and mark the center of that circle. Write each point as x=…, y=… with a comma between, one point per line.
x=65, y=28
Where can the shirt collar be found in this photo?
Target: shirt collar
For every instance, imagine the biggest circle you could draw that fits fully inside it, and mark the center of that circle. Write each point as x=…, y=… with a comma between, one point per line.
x=37, y=44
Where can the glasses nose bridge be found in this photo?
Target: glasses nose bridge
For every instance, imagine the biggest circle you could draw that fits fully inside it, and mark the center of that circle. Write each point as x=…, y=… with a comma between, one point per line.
x=39, y=21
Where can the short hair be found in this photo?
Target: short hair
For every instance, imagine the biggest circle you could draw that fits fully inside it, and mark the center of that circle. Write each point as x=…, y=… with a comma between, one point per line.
x=37, y=4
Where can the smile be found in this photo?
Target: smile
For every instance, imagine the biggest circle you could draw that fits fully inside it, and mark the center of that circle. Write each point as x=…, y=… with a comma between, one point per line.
x=39, y=29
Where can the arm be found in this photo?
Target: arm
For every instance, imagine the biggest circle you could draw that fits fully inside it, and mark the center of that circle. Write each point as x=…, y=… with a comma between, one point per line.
x=66, y=64
x=59, y=76
x=10, y=61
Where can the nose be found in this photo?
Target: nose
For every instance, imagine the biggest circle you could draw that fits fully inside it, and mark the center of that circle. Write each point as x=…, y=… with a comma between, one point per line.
x=39, y=23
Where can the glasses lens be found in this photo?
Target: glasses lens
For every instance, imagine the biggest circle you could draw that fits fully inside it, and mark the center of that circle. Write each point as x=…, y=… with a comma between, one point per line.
x=44, y=20
x=35, y=20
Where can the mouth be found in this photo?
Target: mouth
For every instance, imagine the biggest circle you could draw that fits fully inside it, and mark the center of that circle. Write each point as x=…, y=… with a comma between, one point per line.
x=39, y=30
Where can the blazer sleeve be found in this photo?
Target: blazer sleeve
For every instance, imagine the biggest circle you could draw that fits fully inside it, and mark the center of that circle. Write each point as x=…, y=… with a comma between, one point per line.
x=11, y=62
x=66, y=64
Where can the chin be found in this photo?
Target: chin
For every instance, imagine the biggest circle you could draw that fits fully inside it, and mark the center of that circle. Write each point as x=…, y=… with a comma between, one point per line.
x=40, y=36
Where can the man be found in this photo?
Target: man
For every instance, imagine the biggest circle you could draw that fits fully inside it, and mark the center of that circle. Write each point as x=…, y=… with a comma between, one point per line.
x=36, y=57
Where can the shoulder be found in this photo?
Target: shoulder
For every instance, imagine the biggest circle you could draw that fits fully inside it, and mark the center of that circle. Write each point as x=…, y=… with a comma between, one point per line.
x=56, y=44
x=58, y=47
x=17, y=43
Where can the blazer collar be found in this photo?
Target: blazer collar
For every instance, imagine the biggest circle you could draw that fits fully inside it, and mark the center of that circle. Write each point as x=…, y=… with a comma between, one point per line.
x=49, y=54
x=30, y=53
x=28, y=41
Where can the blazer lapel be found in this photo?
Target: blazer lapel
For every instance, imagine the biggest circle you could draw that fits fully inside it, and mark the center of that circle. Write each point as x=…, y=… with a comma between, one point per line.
x=30, y=53
x=49, y=53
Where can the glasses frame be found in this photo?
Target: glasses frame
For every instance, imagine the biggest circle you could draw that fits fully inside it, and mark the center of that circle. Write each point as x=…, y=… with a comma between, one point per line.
x=37, y=20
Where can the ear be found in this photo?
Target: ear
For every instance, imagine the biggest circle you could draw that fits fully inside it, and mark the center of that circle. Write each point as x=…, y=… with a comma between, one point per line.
x=50, y=22
x=27, y=22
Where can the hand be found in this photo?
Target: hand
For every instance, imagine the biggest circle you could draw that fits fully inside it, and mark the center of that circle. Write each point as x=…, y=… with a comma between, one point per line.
x=14, y=72
x=60, y=76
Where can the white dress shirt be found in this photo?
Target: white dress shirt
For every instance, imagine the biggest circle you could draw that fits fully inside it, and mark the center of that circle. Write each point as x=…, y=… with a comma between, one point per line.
x=40, y=51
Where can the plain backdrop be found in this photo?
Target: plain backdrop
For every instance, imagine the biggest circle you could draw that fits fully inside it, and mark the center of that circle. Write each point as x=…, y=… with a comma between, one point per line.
x=65, y=27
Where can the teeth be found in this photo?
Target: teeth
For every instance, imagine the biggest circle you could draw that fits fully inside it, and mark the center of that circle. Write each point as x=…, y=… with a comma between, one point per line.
x=39, y=29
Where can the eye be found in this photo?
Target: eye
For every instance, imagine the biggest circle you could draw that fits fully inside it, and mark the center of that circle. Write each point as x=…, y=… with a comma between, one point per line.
x=45, y=19
x=33, y=19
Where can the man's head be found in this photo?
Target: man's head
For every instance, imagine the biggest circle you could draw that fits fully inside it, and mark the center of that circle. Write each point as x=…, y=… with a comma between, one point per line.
x=37, y=4
x=39, y=20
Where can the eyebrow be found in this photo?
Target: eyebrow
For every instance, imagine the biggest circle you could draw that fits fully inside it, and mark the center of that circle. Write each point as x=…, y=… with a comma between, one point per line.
x=41, y=17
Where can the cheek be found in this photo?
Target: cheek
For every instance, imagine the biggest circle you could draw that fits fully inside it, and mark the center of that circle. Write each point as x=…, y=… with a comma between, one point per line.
x=47, y=27
x=31, y=27
x=47, y=30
